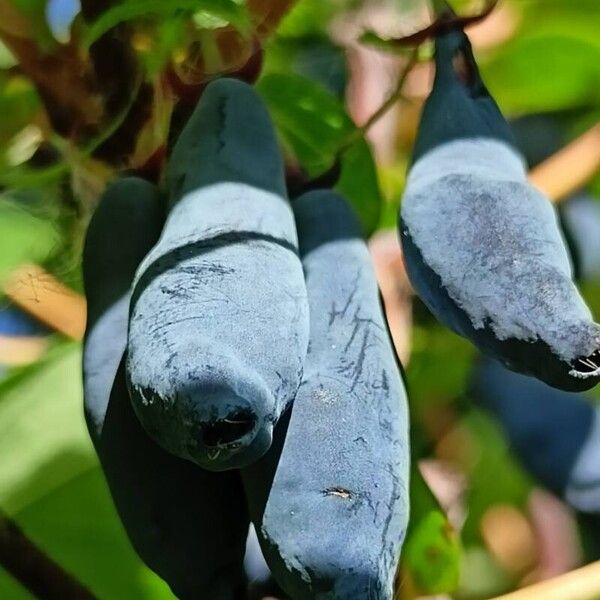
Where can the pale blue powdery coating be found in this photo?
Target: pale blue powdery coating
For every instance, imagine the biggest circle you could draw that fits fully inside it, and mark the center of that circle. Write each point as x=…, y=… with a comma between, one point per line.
x=338, y=508
x=103, y=351
x=219, y=320
x=495, y=243
x=231, y=318
x=188, y=525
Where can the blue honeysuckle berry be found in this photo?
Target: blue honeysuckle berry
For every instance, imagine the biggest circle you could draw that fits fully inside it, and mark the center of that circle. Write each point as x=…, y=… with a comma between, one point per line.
x=186, y=524
x=483, y=248
x=340, y=466
x=555, y=434
x=218, y=328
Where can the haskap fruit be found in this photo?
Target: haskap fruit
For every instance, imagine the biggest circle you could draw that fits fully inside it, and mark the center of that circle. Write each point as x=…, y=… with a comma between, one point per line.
x=555, y=434
x=219, y=318
x=330, y=500
x=482, y=247
x=186, y=524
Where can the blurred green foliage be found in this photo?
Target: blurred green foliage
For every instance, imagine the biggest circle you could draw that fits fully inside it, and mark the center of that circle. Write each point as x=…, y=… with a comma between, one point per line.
x=50, y=480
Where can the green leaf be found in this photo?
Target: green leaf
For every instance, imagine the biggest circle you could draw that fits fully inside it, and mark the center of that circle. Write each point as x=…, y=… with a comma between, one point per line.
x=9, y=588
x=7, y=59
x=481, y=576
x=20, y=102
x=307, y=18
x=495, y=478
x=311, y=120
x=440, y=364
x=432, y=551
x=34, y=12
x=51, y=484
x=358, y=182
x=314, y=126
x=317, y=58
x=228, y=11
x=41, y=414
x=25, y=237
x=77, y=526
x=569, y=64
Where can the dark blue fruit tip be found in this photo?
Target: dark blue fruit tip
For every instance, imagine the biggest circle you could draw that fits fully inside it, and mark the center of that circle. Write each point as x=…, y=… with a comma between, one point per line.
x=217, y=430
x=126, y=223
x=228, y=138
x=316, y=207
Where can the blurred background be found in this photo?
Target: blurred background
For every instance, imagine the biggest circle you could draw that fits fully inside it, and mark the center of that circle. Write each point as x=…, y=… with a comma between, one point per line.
x=90, y=90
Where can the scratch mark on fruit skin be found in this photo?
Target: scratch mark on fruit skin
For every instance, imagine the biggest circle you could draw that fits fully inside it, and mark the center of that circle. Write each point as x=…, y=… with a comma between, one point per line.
x=338, y=492
x=342, y=313
x=336, y=477
x=173, y=258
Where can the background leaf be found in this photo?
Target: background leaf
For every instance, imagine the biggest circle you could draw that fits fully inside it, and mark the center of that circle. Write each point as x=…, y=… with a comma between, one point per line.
x=572, y=61
x=432, y=550
x=314, y=126
x=26, y=237
x=229, y=11
x=51, y=483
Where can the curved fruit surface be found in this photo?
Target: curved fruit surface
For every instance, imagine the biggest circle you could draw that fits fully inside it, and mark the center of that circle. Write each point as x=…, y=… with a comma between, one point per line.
x=334, y=520
x=555, y=434
x=187, y=524
x=483, y=247
x=219, y=317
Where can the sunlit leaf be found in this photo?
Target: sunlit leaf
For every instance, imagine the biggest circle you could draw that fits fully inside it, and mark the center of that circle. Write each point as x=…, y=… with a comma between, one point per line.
x=545, y=72
x=481, y=576
x=41, y=415
x=431, y=553
x=26, y=237
x=7, y=59
x=18, y=99
x=228, y=11
x=50, y=482
x=76, y=524
x=314, y=124
x=307, y=18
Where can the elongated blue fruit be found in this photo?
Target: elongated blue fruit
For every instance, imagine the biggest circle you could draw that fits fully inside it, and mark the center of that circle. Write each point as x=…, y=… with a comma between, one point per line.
x=219, y=317
x=539, y=136
x=482, y=247
x=556, y=434
x=337, y=510
x=580, y=219
x=187, y=524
